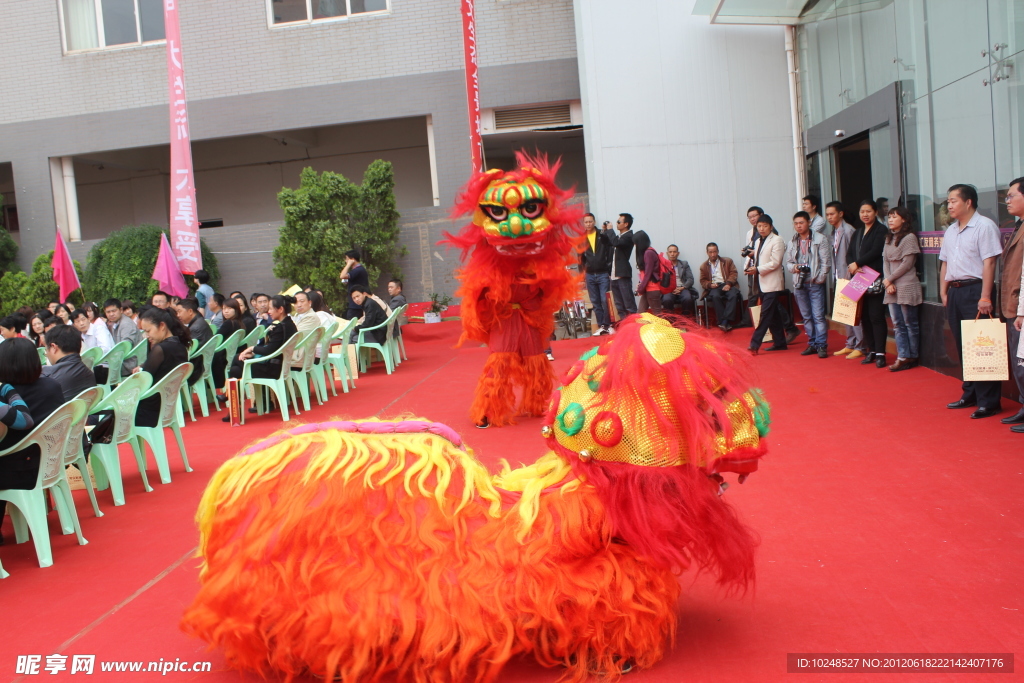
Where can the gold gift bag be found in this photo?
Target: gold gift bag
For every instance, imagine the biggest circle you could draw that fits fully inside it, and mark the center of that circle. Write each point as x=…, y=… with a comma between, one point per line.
x=755, y=317
x=845, y=310
x=984, y=343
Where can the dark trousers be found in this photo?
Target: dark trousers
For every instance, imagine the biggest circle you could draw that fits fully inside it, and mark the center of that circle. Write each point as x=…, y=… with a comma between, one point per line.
x=770, y=321
x=787, y=321
x=724, y=303
x=872, y=318
x=651, y=300
x=684, y=299
x=1016, y=364
x=622, y=292
x=962, y=304
x=259, y=370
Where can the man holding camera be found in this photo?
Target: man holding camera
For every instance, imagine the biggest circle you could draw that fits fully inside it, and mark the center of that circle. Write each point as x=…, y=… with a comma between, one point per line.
x=754, y=214
x=809, y=259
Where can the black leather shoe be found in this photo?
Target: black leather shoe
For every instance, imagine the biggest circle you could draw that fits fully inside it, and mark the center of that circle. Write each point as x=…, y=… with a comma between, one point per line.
x=868, y=359
x=984, y=412
x=809, y=351
x=791, y=336
x=962, y=403
x=1019, y=429
x=776, y=348
x=822, y=352
x=880, y=360
x=1014, y=419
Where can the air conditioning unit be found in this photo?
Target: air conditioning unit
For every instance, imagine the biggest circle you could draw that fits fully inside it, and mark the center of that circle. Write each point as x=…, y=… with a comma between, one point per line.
x=537, y=117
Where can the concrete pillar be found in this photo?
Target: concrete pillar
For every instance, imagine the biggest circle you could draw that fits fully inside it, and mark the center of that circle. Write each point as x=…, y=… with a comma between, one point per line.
x=60, y=202
x=71, y=199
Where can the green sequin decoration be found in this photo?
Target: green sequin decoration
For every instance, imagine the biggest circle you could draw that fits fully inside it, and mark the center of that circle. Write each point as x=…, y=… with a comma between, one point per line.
x=593, y=384
x=589, y=354
x=571, y=419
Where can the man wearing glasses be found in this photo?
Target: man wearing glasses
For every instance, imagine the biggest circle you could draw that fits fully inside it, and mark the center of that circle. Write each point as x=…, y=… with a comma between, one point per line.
x=1009, y=294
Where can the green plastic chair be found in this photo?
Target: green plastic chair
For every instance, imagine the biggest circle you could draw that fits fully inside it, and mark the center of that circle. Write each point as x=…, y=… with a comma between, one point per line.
x=230, y=348
x=139, y=352
x=42, y=356
x=169, y=391
x=363, y=347
x=114, y=358
x=339, y=360
x=258, y=332
x=303, y=374
x=75, y=454
x=90, y=356
x=280, y=386
x=28, y=507
x=400, y=354
x=123, y=400
x=321, y=372
x=205, y=381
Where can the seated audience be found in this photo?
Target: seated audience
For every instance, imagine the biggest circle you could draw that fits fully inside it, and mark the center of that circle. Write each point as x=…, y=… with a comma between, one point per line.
x=372, y=312
x=198, y=329
x=122, y=328
x=305, y=319
x=36, y=327
x=129, y=309
x=26, y=399
x=281, y=329
x=63, y=346
x=232, y=323
x=64, y=313
x=11, y=326
x=92, y=335
x=213, y=311
x=168, y=348
x=684, y=294
x=160, y=300
x=720, y=282
x=246, y=318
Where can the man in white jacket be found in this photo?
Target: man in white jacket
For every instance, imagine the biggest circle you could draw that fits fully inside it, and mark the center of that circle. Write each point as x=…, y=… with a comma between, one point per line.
x=769, y=281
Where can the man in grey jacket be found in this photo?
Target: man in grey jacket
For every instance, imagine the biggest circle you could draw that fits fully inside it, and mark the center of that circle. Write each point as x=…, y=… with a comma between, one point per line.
x=842, y=233
x=122, y=328
x=809, y=259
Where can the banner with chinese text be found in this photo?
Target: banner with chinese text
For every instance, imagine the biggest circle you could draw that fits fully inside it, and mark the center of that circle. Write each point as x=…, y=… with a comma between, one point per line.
x=472, y=81
x=183, y=214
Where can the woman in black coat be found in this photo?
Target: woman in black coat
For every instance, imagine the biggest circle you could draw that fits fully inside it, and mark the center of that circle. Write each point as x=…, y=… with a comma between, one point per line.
x=169, y=340
x=866, y=248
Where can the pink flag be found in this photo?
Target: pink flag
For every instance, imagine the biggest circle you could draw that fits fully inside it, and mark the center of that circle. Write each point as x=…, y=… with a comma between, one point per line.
x=63, y=269
x=184, y=219
x=166, y=271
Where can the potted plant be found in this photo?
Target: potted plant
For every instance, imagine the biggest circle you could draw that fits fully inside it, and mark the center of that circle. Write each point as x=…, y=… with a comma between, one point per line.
x=438, y=304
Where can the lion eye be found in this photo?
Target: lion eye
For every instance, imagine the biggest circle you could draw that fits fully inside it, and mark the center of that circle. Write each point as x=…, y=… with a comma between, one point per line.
x=497, y=213
x=532, y=210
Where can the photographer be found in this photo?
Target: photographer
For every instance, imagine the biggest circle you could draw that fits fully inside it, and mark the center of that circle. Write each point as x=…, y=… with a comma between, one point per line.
x=809, y=259
x=765, y=268
x=754, y=213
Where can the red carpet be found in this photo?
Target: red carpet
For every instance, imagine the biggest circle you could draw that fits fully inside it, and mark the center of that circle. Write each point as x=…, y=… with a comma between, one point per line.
x=888, y=524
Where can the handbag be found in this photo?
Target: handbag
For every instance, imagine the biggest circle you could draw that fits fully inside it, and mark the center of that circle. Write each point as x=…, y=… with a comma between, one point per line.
x=876, y=287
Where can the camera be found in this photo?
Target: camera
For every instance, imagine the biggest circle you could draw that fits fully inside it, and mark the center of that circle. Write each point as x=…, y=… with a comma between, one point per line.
x=802, y=271
x=747, y=251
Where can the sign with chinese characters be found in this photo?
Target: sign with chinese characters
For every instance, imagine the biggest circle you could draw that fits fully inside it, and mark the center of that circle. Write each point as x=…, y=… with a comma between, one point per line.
x=472, y=81
x=931, y=241
x=183, y=214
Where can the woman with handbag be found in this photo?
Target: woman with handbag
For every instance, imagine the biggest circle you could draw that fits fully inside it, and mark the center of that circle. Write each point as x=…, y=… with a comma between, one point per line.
x=649, y=266
x=866, y=250
x=902, y=288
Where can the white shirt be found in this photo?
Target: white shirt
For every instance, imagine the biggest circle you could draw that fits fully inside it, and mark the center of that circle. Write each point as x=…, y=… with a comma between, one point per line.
x=716, y=272
x=965, y=251
x=98, y=335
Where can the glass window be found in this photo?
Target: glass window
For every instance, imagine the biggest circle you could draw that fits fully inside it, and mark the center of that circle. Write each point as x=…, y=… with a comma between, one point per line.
x=93, y=24
x=151, y=20
x=867, y=52
x=295, y=11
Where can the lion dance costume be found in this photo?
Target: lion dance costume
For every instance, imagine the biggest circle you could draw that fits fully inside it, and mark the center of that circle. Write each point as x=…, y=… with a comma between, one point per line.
x=371, y=549
x=514, y=278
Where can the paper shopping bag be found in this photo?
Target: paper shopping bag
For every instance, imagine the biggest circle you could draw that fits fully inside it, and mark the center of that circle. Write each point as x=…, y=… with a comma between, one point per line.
x=845, y=310
x=609, y=304
x=755, y=317
x=984, y=344
x=75, y=480
x=860, y=283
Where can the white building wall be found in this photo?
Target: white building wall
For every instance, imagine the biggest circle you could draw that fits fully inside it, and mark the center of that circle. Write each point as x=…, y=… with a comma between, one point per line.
x=687, y=124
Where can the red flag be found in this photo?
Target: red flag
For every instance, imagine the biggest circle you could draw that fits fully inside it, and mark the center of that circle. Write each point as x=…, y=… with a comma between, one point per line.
x=63, y=269
x=472, y=82
x=166, y=271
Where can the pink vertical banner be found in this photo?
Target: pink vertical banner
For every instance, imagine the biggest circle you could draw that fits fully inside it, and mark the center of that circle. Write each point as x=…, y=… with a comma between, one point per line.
x=184, y=217
x=472, y=81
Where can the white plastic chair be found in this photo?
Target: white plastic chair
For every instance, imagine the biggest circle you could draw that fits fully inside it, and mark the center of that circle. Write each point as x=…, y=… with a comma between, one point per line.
x=75, y=454
x=340, y=360
x=302, y=375
x=28, y=508
x=281, y=386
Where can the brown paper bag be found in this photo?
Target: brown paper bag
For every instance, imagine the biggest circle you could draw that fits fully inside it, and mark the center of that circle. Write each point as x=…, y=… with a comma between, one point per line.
x=609, y=304
x=755, y=317
x=75, y=480
x=984, y=343
x=845, y=310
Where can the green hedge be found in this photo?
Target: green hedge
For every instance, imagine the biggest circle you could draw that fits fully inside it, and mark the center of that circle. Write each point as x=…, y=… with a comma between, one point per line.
x=121, y=266
x=36, y=289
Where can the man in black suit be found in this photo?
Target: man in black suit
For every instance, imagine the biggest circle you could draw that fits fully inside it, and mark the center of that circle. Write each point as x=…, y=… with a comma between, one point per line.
x=622, y=270
x=596, y=263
